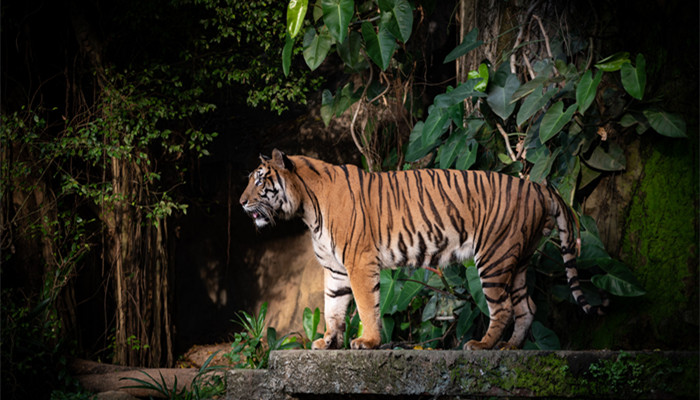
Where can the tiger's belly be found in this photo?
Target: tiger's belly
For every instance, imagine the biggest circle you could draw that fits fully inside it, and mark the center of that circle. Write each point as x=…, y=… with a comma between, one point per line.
x=426, y=251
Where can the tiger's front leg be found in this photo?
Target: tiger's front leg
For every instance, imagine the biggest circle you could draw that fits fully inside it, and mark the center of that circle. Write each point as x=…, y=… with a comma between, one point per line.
x=337, y=296
x=365, y=288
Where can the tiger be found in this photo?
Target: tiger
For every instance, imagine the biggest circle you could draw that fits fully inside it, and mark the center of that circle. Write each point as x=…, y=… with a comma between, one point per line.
x=361, y=222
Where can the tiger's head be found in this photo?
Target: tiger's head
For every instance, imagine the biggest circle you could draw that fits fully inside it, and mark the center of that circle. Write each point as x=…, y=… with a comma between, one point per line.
x=271, y=191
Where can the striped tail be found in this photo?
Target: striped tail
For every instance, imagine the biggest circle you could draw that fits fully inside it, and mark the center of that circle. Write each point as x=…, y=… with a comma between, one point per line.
x=570, y=248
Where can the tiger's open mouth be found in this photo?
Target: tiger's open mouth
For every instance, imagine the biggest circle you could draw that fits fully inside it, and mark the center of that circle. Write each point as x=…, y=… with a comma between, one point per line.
x=260, y=215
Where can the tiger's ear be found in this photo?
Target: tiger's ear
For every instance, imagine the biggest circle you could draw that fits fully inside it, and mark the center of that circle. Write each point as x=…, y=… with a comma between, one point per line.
x=281, y=160
x=264, y=158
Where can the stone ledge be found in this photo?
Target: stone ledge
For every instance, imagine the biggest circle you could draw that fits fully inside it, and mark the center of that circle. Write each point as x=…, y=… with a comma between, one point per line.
x=452, y=374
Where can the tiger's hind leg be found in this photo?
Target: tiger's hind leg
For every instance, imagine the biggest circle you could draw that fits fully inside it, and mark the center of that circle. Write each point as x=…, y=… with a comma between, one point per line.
x=337, y=296
x=495, y=281
x=523, y=307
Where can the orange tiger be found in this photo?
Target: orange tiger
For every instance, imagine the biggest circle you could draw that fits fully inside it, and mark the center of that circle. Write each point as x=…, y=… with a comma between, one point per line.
x=361, y=222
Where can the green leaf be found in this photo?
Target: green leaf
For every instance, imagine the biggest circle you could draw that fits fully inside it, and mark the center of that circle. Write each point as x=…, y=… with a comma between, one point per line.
x=350, y=51
x=386, y=291
x=409, y=290
x=532, y=104
x=316, y=47
x=540, y=171
x=336, y=16
x=430, y=309
x=545, y=338
x=613, y=62
x=532, y=86
x=387, y=329
x=401, y=23
x=326, y=106
x=634, y=79
x=296, y=11
x=416, y=150
x=608, y=156
x=287, y=54
x=449, y=151
x=619, y=280
x=500, y=96
x=435, y=125
x=457, y=95
x=310, y=322
x=586, y=90
x=475, y=288
x=467, y=157
x=588, y=175
x=380, y=46
x=555, y=119
x=469, y=43
x=667, y=124
x=482, y=73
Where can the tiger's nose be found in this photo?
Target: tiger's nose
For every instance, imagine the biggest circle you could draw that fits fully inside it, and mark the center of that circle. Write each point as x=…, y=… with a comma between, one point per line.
x=243, y=200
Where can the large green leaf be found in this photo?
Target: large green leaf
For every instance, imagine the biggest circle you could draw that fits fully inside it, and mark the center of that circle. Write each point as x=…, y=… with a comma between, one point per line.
x=586, y=90
x=387, y=329
x=540, y=171
x=607, y=156
x=500, y=96
x=380, y=46
x=336, y=16
x=287, y=54
x=467, y=157
x=296, y=10
x=457, y=95
x=555, y=119
x=326, y=106
x=450, y=150
x=386, y=291
x=545, y=338
x=316, y=47
x=435, y=125
x=469, y=43
x=350, y=52
x=667, y=124
x=613, y=62
x=619, y=280
x=409, y=290
x=533, y=103
x=475, y=288
x=634, y=79
x=401, y=22
x=529, y=87
x=416, y=150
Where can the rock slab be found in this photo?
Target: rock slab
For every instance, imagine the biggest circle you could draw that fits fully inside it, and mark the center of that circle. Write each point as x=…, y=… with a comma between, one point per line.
x=416, y=374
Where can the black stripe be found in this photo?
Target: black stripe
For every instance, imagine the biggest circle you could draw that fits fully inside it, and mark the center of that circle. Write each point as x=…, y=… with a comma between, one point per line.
x=344, y=291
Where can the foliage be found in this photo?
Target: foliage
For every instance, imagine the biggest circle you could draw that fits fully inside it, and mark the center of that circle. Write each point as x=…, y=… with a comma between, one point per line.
x=251, y=349
x=557, y=127
x=207, y=383
x=239, y=39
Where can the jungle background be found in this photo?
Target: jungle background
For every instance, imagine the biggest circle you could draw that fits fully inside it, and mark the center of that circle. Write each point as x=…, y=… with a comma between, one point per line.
x=129, y=128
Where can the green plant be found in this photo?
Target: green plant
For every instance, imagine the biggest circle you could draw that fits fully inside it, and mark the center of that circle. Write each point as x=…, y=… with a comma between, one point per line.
x=251, y=349
x=311, y=320
x=206, y=384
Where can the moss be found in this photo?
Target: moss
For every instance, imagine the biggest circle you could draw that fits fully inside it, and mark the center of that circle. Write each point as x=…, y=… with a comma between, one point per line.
x=660, y=238
x=551, y=375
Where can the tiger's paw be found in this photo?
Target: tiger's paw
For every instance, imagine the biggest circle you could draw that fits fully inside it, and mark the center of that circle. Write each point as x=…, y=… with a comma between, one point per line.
x=506, y=346
x=328, y=341
x=476, y=345
x=362, y=343
x=320, y=344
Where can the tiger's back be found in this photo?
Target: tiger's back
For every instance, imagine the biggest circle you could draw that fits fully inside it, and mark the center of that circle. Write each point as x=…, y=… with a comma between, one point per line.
x=362, y=222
